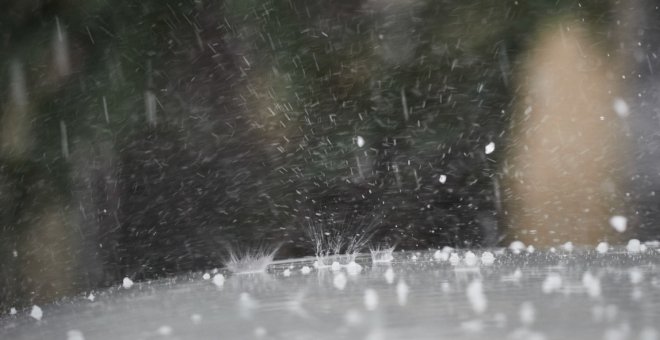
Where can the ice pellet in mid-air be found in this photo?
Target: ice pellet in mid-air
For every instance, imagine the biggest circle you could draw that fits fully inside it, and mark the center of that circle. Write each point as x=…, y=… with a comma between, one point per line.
x=127, y=283
x=305, y=270
x=619, y=223
x=360, y=141
x=490, y=148
x=620, y=107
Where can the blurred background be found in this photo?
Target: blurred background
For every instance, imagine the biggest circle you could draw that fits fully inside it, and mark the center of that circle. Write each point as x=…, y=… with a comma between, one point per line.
x=141, y=138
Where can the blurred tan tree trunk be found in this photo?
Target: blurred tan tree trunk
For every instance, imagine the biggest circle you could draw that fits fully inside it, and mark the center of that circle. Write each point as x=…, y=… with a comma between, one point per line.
x=564, y=164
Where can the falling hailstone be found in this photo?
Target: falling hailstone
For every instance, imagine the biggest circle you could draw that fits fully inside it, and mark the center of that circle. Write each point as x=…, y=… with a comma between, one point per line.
x=12, y=311
x=359, y=141
x=619, y=223
x=206, y=276
x=620, y=107
x=305, y=270
x=127, y=283
x=442, y=179
x=490, y=148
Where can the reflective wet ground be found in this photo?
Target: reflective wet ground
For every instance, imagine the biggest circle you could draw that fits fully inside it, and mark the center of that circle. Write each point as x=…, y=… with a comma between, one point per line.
x=451, y=294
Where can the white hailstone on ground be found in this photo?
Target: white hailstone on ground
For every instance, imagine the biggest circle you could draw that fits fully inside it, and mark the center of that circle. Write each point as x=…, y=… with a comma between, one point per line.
x=196, y=318
x=353, y=268
x=127, y=283
x=286, y=272
x=339, y=281
x=305, y=270
x=490, y=147
x=602, y=247
x=442, y=179
x=472, y=326
x=487, y=258
x=389, y=275
x=619, y=223
x=620, y=107
x=531, y=249
x=527, y=313
x=454, y=259
x=260, y=332
x=335, y=266
x=568, y=246
x=552, y=283
x=402, y=291
x=634, y=246
x=591, y=284
x=206, y=276
x=441, y=256
x=36, y=312
x=370, y=299
x=219, y=280
x=517, y=247
x=635, y=275
x=470, y=258
x=476, y=296
x=648, y=333
x=165, y=330
x=74, y=334
x=360, y=141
